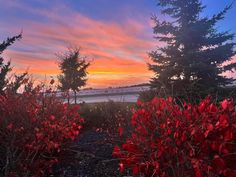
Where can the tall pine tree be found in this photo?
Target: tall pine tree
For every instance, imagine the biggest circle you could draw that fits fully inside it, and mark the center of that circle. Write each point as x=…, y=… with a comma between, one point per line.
x=195, y=53
x=73, y=67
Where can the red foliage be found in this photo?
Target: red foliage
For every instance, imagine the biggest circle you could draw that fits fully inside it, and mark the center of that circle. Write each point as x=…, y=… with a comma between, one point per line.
x=190, y=140
x=34, y=128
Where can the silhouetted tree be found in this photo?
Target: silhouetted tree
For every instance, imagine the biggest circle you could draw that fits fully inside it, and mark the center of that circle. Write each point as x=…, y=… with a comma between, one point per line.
x=73, y=71
x=29, y=86
x=194, y=55
x=17, y=82
x=5, y=68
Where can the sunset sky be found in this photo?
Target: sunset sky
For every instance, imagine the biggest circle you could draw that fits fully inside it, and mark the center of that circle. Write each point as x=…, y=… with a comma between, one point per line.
x=114, y=34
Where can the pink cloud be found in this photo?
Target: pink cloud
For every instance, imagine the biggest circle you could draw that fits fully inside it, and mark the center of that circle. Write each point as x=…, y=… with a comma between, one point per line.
x=114, y=48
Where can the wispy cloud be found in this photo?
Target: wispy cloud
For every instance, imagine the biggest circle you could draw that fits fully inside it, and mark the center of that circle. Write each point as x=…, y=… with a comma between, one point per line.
x=119, y=51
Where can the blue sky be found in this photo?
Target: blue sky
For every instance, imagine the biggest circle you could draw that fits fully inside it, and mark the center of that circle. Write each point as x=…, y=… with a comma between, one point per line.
x=115, y=34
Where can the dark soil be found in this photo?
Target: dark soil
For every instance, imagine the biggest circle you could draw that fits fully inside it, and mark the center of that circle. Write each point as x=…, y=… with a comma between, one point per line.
x=91, y=156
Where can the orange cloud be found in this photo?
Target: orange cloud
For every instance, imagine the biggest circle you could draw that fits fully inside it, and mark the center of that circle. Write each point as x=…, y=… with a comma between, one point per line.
x=118, y=52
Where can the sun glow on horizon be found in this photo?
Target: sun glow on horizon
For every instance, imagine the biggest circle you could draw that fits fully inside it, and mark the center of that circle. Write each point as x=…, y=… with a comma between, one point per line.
x=116, y=38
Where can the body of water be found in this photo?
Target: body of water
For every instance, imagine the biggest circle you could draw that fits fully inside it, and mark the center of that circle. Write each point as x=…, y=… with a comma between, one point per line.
x=105, y=98
x=122, y=94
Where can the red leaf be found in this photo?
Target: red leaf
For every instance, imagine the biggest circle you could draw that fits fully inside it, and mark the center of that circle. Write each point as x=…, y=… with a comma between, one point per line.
x=196, y=166
x=230, y=173
x=135, y=170
x=130, y=147
x=116, y=151
x=139, y=103
x=10, y=126
x=228, y=135
x=224, y=104
x=120, y=130
x=218, y=162
x=52, y=117
x=223, y=121
x=197, y=172
x=213, y=108
x=170, y=99
x=121, y=165
x=215, y=146
x=39, y=136
x=210, y=127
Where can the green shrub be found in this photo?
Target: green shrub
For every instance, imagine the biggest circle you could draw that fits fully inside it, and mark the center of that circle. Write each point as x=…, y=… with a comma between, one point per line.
x=147, y=96
x=107, y=115
x=193, y=96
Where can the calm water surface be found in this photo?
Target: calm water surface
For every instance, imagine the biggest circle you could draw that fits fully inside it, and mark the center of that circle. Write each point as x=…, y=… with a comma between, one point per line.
x=116, y=98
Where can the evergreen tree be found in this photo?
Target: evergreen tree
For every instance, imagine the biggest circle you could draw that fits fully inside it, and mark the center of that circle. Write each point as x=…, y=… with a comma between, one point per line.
x=5, y=68
x=194, y=55
x=73, y=67
x=17, y=82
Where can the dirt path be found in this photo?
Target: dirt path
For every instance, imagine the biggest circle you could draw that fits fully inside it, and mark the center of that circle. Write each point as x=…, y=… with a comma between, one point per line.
x=93, y=157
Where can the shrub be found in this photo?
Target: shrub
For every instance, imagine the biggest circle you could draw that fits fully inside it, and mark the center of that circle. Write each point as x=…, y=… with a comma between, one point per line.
x=148, y=95
x=189, y=140
x=107, y=116
x=34, y=129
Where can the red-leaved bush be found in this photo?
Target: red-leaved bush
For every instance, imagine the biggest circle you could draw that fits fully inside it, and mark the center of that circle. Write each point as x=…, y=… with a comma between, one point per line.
x=34, y=129
x=169, y=140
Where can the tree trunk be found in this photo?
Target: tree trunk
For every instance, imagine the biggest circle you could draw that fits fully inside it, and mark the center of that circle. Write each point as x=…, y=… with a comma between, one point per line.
x=75, y=96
